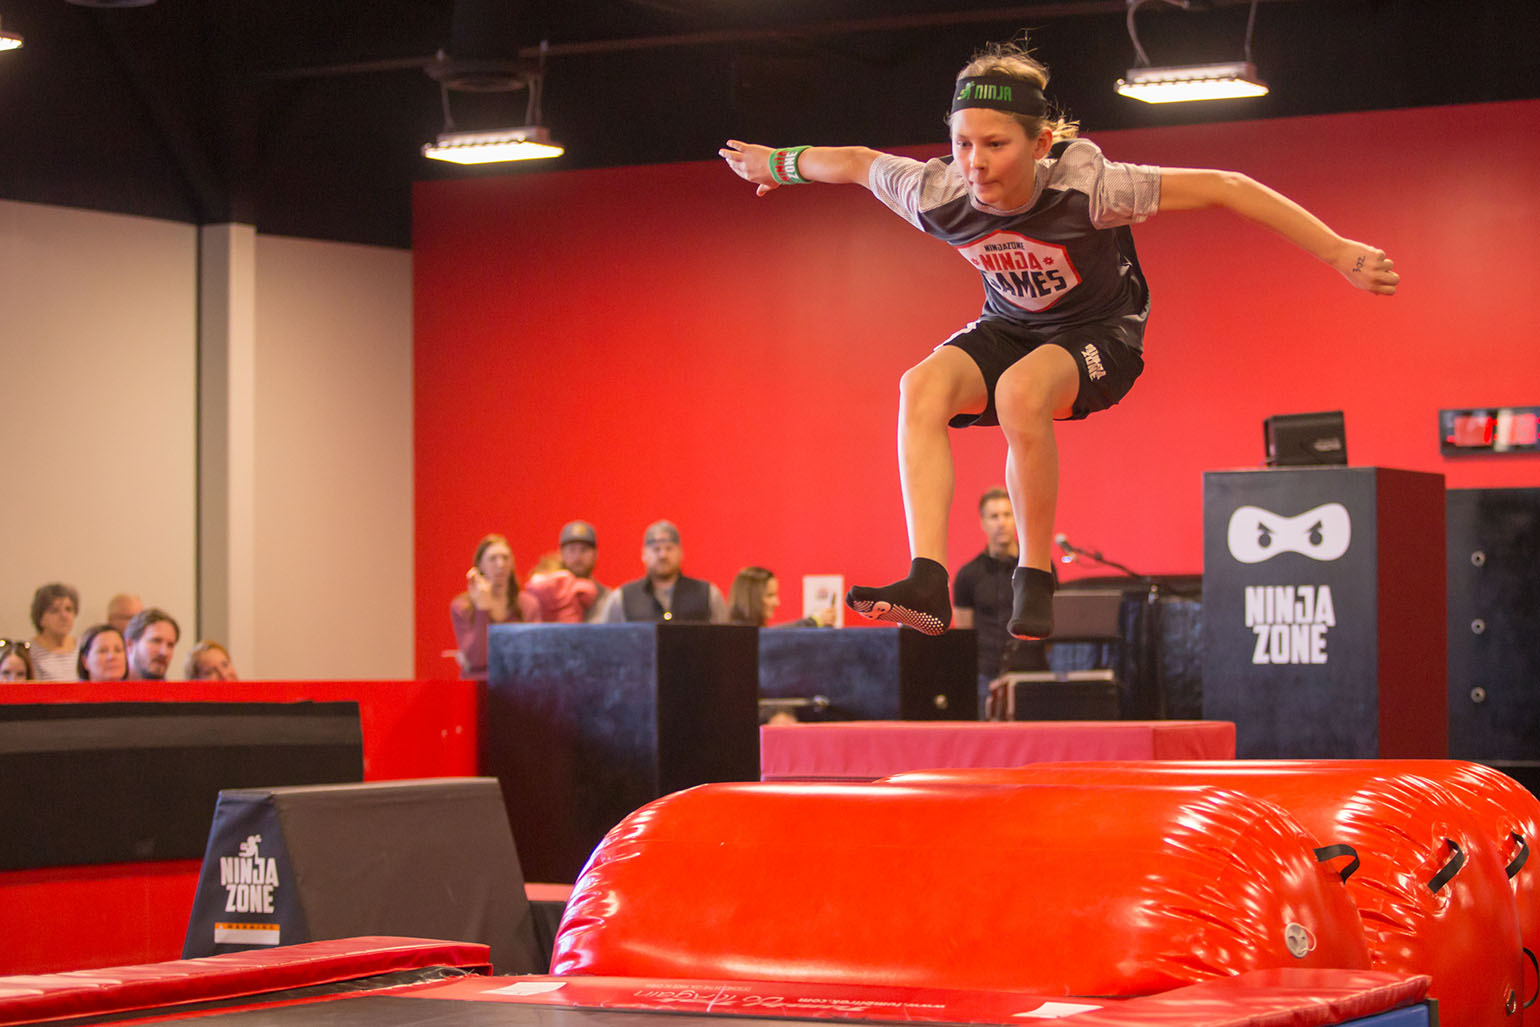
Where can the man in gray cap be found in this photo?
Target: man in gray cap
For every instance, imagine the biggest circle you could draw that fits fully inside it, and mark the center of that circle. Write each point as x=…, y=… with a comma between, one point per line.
x=664, y=594
x=579, y=553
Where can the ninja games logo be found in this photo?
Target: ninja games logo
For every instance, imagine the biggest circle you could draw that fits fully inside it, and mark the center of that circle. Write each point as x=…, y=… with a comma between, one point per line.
x=1291, y=622
x=1027, y=273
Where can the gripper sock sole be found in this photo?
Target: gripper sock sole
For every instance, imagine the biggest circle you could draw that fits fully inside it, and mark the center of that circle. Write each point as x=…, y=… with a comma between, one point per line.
x=919, y=601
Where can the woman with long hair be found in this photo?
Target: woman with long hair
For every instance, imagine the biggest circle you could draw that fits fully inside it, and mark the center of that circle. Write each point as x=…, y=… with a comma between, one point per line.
x=491, y=596
x=756, y=595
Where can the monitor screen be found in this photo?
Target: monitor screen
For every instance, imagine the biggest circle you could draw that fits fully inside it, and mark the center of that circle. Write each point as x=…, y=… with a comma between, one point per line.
x=1305, y=440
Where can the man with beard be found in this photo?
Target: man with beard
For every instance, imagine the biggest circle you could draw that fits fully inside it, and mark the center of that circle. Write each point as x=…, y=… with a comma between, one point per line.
x=664, y=594
x=152, y=637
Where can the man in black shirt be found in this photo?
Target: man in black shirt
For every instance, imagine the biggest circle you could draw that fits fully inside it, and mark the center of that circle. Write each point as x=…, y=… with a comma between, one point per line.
x=982, y=596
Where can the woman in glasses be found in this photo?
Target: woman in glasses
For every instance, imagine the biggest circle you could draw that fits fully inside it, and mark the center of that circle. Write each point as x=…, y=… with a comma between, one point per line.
x=15, y=661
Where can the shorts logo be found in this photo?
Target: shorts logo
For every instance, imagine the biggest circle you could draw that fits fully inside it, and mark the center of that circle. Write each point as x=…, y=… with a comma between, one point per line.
x=1093, y=362
x=1024, y=272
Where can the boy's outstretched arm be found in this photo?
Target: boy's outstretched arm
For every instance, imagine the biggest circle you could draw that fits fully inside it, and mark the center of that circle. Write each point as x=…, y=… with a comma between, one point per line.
x=837, y=165
x=1365, y=266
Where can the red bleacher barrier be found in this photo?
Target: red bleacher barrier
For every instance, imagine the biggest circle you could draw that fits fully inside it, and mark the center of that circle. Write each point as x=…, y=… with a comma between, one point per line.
x=1433, y=893
x=1050, y=889
x=164, y=986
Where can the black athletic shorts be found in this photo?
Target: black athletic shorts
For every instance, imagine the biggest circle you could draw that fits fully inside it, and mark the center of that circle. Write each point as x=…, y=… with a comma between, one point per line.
x=1106, y=352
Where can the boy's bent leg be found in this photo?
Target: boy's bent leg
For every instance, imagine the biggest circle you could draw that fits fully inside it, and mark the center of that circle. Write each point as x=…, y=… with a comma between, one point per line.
x=1036, y=389
x=941, y=386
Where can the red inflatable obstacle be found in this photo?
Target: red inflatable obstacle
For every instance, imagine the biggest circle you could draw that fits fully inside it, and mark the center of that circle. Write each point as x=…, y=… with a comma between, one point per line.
x=1510, y=817
x=1055, y=890
x=1433, y=893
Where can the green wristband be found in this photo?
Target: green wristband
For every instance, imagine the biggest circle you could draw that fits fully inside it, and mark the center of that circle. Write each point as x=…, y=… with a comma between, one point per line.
x=783, y=166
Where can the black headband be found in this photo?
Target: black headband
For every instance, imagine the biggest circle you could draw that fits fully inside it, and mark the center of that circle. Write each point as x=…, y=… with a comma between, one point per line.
x=1001, y=93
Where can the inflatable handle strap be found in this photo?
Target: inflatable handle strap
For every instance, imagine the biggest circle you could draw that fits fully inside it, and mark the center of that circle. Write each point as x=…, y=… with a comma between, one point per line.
x=1516, y=866
x=1536, y=965
x=1451, y=868
x=1326, y=852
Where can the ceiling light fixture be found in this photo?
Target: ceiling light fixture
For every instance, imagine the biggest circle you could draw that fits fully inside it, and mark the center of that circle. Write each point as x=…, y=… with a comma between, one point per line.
x=1225, y=80
x=491, y=74
x=9, y=40
x=528, y=142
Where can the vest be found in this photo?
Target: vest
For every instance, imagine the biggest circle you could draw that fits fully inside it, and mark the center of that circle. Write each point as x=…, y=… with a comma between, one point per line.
x=692, y=601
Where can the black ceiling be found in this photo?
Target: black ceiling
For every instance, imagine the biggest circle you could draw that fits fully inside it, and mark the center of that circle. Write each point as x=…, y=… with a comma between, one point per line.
x=305, y=117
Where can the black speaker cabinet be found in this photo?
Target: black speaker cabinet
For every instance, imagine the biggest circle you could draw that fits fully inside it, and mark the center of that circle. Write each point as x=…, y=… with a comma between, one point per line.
x=1058, y=700
x=1493, y=557
x=584, y=723
x=872, y=673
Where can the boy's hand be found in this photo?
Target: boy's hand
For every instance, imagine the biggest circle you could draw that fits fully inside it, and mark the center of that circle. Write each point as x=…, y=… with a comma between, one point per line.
x=750, y=162
x=1367, y=268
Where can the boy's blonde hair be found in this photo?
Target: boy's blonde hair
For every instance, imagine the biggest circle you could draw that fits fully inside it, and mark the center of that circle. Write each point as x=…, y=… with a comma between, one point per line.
x=1014, y=58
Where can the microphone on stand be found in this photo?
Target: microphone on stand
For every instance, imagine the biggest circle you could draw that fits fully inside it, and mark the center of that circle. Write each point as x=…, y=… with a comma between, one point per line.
x=1070, y=552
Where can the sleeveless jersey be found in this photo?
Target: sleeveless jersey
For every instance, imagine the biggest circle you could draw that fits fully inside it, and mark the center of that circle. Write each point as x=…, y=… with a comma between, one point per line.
x=1064, y=258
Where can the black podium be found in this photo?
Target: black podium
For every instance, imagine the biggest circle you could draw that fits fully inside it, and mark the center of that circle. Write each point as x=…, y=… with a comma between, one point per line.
x=872, y=673
x=584, y=723
x=427, y=859
x=1324, y=611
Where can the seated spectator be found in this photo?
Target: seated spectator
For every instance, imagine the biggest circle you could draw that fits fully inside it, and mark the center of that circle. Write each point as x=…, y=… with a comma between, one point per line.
x=209, y=661
x=756, y=595
x=580, y=554
x=54, y=648
x=491, y=596
x=121, y=609
x=564, y=597
x=663, y=593
x=15, y=660
x=103, y=656
x=151, y=638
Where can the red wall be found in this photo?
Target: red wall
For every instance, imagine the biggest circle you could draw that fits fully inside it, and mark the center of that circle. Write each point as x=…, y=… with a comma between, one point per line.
x=635, y=343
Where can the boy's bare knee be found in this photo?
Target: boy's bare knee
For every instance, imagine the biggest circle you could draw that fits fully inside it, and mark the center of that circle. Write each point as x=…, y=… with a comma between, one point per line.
x=924, y=395
x=1024, y=410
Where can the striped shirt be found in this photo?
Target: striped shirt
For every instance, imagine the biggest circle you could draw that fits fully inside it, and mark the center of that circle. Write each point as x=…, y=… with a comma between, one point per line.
x=52, y=666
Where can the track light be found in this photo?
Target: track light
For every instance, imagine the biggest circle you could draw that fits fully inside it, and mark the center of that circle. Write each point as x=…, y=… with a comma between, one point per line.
x=1225, y=80
x=529, y=142
x=9, y=40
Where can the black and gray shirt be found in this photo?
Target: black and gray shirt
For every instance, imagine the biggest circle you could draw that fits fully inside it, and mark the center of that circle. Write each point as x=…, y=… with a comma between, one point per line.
x=1066, y=257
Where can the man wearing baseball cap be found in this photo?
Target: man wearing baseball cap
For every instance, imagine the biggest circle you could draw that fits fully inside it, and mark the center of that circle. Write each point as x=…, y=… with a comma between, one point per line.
x=570, y=595
x=579, y=553
x=664, y=594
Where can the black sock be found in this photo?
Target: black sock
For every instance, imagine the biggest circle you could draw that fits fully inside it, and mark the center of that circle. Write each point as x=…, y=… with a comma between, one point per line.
x=1032, y=608
x=920, y=600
